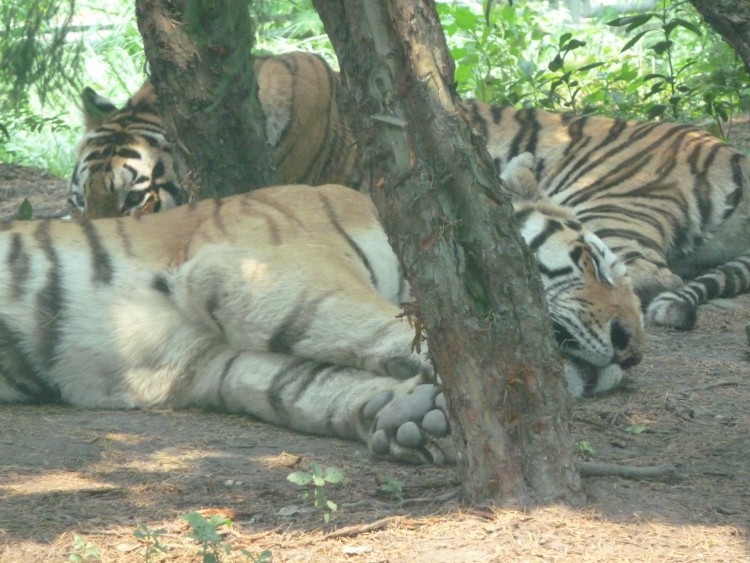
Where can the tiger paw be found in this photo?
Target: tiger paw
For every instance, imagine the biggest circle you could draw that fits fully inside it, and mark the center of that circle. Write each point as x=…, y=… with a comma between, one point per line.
x=672, y=309
x=412, y=428
x=586, y=381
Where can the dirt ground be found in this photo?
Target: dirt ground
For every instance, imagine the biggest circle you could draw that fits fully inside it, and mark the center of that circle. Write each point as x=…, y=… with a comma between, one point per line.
x=100, y=475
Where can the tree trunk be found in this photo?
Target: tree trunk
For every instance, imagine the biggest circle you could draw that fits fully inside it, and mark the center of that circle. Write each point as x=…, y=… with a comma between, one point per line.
x=731, y=20
x=479, y=293
x=199, y=54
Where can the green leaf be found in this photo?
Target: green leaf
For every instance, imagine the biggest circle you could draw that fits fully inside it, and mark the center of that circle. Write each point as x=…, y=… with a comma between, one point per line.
x=631, y=22
x=300, y=478
x=333, y=475
x=24, y=210
x=679, y=22
x=657, y=110
x=584, y=68
x=465, y=18
x=318, y=480
x=555, y=64
x=572, y=45
x=633, y=40
x=564, y=39
x=654, y=75
x=661, y=46
x=332, y=506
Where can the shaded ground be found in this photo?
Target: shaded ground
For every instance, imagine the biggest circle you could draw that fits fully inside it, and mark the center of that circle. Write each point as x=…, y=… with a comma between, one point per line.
x=101, y=474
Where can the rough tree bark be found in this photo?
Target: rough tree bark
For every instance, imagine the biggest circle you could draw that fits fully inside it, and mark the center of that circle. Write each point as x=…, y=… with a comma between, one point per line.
x=199, y=54
x=731, y=20
x=478, y=290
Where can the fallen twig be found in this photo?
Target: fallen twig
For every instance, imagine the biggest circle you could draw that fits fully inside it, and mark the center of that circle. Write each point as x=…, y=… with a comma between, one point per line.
x=594, y=469
x=722, y=383
x=349, y=531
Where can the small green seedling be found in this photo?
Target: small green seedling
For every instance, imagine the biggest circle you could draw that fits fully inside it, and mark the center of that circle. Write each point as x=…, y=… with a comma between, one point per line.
x=393, y=486
x=264, y=556
x=319, y=477
x=84, y=551
x=150, y=539
x=205, y=532
x=585, y=449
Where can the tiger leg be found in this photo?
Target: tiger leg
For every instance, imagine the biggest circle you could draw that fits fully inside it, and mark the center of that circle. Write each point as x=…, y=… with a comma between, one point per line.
x=405, y=420
x=678, y=308
x=329, y=316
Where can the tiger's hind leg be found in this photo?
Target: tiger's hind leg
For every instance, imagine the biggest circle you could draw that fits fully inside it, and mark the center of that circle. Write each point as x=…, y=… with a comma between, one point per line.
x=299, y=308
x=678, y=308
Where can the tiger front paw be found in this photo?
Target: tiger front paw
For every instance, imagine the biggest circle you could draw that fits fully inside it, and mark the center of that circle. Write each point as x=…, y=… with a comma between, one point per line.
x=412, y=428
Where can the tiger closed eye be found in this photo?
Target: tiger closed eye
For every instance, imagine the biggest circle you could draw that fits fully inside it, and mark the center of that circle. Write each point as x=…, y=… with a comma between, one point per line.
x=133, y=198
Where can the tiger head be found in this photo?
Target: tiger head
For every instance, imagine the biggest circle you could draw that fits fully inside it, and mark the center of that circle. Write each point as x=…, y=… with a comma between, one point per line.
x=124, y=163
x=596, y=314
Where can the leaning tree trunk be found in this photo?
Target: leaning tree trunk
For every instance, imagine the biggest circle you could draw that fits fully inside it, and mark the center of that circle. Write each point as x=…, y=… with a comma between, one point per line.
x=731, y=20
x=479, y=292
x=199, y=55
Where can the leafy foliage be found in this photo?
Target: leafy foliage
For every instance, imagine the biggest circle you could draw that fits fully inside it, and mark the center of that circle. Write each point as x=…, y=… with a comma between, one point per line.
x=661, y=63
x=35, y=50
x=644, y=65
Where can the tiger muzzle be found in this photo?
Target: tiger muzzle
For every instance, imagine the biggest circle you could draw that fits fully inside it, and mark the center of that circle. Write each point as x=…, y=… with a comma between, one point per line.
x=628, y=345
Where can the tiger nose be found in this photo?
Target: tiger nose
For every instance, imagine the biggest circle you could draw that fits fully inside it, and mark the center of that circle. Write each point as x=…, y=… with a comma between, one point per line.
x=627, y=349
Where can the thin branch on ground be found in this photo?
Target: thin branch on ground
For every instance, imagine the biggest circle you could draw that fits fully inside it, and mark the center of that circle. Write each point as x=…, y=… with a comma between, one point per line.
x=722, y=383
x=595, y=469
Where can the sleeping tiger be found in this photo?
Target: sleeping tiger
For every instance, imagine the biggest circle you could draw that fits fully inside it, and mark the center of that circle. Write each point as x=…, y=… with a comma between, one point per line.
x=282, y=304
x=125, y=163
x=670, y=200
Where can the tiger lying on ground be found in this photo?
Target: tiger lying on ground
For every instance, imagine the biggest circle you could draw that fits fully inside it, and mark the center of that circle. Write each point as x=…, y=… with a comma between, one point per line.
x=125, y=163
x=281, y=303
x=670, y=200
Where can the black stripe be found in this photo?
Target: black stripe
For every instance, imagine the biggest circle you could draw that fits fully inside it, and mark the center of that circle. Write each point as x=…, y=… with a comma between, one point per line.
x=50, y=301
x=297, y=371
x=295, y=327
x=337, y=225
x=19, y=371
x=19, y=264
x=550, y=228
x=101, y=262
x=222, y=406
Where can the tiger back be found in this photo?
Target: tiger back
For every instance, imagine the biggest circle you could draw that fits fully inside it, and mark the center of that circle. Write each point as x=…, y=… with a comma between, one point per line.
x=125, y=162
x=283, y=304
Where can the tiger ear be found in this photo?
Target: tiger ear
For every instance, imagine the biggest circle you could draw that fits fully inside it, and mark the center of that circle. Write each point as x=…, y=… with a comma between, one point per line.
x=96, y=108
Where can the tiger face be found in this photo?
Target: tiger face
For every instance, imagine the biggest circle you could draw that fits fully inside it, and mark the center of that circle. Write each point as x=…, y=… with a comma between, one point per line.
x=282, y=303
x=125, y=163
x=595, y=312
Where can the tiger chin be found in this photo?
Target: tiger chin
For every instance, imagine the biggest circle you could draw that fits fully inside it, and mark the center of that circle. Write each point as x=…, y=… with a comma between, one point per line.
x=282, y=304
